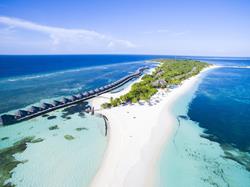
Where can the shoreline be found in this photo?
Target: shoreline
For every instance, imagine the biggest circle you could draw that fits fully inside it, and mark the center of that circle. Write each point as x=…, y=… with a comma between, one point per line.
x=137, y=135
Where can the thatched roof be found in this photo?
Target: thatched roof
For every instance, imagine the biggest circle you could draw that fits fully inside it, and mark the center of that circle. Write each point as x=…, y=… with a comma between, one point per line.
x=34, y=109
x=22, y=113
x=65, y=100
x=57, y=103
x=79, y=96
x=47, y=105
x=73, y=98
x=85, y=94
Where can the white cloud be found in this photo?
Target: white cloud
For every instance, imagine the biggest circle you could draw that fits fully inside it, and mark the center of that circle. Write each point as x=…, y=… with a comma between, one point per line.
x=162, y=31
x=73, y=37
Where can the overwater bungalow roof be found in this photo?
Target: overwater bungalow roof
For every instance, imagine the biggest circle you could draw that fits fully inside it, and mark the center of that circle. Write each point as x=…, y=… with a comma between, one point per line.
x=73, y=97
x=47, y=105
x=22, y=113
x=7, y=119
x=79, y=96
x=57, y=103
x=34, y=109
x=96, y=90
x=91, y=92
x=65, y=100
x=85, y=94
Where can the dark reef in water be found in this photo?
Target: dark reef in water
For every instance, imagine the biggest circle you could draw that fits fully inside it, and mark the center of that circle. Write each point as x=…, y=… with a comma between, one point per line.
x=51, y=117
x=8, y=161
x=4, y=138
x=79, y=108
x=69, y=137
x=53, y=127
x=230, y=151
x=236, y=155
x=81, y=128
x=45, y=115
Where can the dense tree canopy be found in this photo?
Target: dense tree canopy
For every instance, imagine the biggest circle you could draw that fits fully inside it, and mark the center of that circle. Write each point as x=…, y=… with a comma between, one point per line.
x=169, y=72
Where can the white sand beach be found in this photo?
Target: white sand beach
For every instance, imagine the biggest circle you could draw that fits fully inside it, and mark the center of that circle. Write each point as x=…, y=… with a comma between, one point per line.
x=137, y=134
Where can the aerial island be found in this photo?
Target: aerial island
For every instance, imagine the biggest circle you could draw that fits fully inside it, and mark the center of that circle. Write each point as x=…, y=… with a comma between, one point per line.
x=140, y=122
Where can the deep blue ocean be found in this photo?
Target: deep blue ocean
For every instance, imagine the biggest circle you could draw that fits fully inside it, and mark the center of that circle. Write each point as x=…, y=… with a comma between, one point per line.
x=221, y=105
x=28, y=79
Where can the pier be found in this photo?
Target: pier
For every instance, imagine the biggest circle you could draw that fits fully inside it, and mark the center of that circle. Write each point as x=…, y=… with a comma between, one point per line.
x=34, y=111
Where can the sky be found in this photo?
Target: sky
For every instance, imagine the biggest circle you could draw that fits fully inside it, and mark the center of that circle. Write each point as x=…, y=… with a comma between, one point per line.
x=176, y=27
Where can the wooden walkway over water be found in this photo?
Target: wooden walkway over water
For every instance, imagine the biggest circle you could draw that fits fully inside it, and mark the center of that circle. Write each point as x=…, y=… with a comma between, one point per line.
x=35, y=111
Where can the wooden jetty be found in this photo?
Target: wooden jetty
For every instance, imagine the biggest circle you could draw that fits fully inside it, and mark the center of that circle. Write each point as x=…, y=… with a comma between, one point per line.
x=34, y=111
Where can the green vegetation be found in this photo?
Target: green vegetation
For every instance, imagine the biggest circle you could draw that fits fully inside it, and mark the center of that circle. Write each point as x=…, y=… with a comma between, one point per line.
x=69, y=137
x=170, y=72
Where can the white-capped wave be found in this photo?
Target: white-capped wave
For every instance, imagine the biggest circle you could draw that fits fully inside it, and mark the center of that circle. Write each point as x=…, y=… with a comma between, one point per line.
x=99, y=67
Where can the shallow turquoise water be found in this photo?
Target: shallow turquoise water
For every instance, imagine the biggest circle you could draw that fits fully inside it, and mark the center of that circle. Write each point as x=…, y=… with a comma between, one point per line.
x=191, y=160
x=57, y=161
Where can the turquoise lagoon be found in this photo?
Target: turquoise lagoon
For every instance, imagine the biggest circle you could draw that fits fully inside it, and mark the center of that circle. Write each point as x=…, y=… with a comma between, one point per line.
x=57, y=161
x=195, y=155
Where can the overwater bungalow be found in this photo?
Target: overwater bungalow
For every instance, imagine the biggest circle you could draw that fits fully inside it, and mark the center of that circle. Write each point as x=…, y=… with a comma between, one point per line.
x=47, y=106
x=57, y=103
x=101, y=88
x=34, y=109
x=65, y=100
x=7, y=119
x=96, y=90
x=22, y=113
x=73, y=98
x=85, y=94
x=79, y=96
